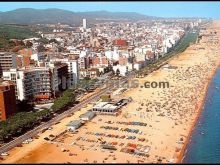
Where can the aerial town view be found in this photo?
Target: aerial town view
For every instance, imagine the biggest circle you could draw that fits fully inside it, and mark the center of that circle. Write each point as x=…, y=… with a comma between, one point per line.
x=109, y=82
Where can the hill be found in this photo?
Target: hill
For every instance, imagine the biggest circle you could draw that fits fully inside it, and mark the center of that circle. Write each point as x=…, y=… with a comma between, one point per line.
x=33, y=16
x=8, y=32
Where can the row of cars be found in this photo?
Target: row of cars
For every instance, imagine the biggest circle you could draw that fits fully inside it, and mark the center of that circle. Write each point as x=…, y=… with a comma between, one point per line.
x=112, y=135
x=132, y=123
x=116, y=136
x=122, y=129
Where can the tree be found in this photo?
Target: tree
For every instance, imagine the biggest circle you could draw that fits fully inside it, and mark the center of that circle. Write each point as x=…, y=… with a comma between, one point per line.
x=24, y=106
x=44, y=115
x=43, y=40
x=41, y=48
x=29, y=44
x=87, y=78
x=105, y=98
x=64, y=101
x=54, y=40
x=16, y=48
x=21, y=122
x=60, y=49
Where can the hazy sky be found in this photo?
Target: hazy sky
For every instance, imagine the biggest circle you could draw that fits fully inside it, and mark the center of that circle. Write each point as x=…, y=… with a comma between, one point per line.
x=163, y=9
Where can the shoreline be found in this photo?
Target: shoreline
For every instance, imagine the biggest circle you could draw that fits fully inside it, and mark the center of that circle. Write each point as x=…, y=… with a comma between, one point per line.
x=200, y=108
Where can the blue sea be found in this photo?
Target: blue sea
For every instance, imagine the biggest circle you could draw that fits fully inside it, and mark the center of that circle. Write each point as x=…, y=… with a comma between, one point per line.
x=204, y=146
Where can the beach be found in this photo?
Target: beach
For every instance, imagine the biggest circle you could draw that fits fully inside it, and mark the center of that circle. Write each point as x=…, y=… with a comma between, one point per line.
x=170, y=115
x=205, y=135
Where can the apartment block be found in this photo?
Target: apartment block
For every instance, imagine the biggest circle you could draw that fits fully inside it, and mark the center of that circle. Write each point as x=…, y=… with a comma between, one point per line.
x=31, y=83
x=7, y=100
x=100, y=61
x=7, y=61
x=72, y=69
x=90, y=73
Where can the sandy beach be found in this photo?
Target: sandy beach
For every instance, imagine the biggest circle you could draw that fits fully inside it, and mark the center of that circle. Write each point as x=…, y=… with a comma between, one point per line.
x=170, y=115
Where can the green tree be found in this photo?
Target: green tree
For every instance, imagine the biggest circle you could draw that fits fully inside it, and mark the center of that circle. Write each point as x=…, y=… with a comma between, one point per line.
x=64, y=101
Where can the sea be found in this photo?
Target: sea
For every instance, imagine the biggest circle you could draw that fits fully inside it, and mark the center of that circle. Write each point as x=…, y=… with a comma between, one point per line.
x=204, y=145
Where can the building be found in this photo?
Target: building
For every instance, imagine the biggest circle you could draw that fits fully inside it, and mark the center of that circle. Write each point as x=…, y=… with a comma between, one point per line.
x=123, y=70
x=105, y=108
x=87, y=116
x=7, y=100
x=63, y=76
x=95, y=42
x=23, y=60
x=31, y=83
x=74, y=125
x=84, y=23
x=73, y=70
x=138, y=65
x=120, y=42
x=123, y=60
x=110, y=108
x=140, y=56
x=150, y=56
x=90, y=73
x=100, y=61
x=26, y=52
x=7, y=61
x=84, y=62
x=38, y=57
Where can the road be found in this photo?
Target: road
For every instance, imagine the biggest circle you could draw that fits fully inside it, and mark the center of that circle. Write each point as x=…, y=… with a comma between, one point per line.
x=61, y=116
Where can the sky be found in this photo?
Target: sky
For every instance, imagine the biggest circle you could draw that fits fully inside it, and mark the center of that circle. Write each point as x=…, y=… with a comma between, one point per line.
x=162, y=9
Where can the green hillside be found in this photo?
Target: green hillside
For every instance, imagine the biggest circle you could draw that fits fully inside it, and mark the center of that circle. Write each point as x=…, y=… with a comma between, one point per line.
x=8, y=32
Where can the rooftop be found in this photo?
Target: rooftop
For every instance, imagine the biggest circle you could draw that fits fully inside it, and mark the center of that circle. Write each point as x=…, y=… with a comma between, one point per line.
x=105, y=105
x=87, y=114
x=74, y=123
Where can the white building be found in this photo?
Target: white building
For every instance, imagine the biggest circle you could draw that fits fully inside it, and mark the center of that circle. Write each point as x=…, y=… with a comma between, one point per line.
x=84, y=23
x=73, y=70
x=122, y=69
x=32, y=82
x=37, y=57
x=137, y=66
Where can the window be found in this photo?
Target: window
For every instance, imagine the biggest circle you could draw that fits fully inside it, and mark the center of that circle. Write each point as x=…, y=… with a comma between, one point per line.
x=13, y=76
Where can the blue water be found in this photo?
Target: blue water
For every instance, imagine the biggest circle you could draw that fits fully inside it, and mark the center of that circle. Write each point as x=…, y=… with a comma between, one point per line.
x=204, y=146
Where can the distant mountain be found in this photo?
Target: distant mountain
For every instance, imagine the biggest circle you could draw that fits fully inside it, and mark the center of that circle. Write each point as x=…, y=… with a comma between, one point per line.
x=33, y=16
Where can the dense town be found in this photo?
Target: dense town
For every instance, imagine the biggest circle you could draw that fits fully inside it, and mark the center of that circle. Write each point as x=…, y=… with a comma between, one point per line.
x=41, y=72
